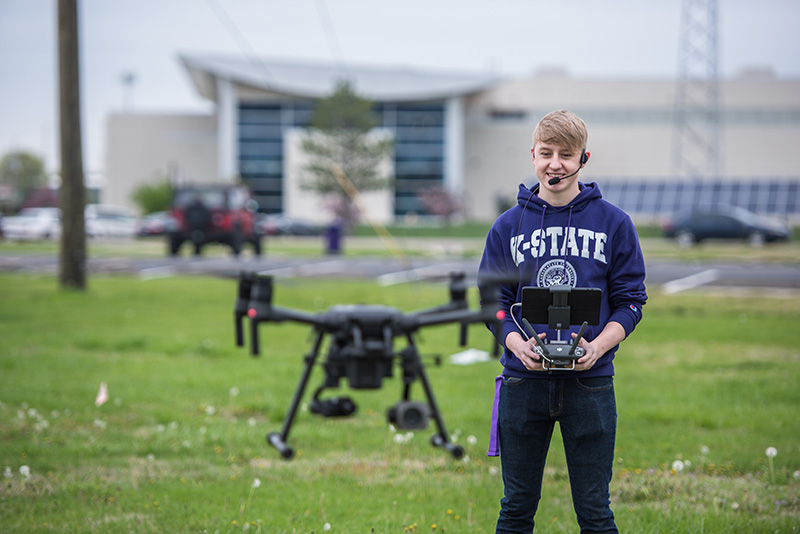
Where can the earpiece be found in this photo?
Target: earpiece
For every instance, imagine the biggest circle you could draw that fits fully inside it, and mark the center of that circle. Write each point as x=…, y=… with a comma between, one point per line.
x=584, y=157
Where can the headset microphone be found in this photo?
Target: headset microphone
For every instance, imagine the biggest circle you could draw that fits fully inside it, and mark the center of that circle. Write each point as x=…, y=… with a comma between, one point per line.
x=554, y=181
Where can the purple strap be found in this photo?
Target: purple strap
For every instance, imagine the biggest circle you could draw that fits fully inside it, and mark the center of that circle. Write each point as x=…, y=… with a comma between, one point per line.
x=494, y=447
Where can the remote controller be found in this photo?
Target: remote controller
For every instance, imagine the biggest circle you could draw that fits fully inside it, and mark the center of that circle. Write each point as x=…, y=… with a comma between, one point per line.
x=558, y=354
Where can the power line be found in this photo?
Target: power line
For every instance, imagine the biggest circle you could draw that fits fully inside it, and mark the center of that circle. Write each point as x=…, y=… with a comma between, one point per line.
x=241, y=41
x=330, y=35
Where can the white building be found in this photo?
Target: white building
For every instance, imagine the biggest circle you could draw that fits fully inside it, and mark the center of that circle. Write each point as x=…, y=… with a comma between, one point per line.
x=467, y=132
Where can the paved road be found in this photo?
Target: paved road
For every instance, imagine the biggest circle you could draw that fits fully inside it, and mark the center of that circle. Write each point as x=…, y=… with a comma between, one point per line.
x=671, y=276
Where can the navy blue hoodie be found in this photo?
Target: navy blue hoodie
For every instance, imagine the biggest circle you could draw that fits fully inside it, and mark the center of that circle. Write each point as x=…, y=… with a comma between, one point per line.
x=587, y=243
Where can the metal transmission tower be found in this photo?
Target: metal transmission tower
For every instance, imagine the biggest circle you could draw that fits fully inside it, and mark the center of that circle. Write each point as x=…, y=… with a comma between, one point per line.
x=696, y=150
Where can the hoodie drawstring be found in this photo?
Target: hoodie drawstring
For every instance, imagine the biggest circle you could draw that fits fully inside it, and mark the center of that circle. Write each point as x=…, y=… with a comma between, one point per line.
x=566, y=242
x=541, y=226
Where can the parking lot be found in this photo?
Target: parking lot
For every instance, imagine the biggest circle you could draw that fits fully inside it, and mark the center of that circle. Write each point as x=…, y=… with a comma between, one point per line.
x=668, y=268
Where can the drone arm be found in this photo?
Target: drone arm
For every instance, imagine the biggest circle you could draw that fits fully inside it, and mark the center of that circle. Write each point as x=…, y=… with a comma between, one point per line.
x=444, y=308
x=260, y=313
x=277, y=315
x=420, y=320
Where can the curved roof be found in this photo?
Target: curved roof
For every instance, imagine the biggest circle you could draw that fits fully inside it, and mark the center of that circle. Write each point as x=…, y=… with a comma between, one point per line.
x=317, y=80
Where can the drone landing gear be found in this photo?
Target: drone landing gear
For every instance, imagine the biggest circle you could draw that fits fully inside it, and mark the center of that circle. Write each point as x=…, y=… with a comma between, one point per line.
x=412, y=368
x=405, y=415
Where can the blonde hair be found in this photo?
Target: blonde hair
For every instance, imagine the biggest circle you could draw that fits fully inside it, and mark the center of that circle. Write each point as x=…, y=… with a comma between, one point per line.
x=562, y=128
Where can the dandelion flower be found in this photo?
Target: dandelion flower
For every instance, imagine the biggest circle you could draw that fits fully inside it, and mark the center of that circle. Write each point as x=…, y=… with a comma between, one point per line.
x=326, y=526
x=256, y=482
x=704, y=450
x=25, y=471
x=678, y=466
x=771, y=452
x=8, y=474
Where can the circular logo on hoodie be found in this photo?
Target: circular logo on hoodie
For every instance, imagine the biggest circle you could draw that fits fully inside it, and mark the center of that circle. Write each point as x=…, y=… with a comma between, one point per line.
x=557, y=273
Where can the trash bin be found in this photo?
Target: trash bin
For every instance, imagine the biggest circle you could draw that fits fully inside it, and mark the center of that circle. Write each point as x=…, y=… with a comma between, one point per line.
x=333, y=238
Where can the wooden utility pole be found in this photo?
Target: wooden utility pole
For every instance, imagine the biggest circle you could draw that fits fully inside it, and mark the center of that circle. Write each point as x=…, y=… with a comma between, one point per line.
x=72, y=265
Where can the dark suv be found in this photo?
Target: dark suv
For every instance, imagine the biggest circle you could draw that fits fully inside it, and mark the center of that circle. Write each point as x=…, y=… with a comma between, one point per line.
x=212, y=213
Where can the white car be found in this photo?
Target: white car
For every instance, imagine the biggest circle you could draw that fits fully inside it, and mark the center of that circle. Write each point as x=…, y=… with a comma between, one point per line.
x=109, y=220
x=33, y=223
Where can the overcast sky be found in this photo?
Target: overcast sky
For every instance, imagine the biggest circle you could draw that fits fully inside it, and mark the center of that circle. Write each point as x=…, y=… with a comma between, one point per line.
x=589, y=38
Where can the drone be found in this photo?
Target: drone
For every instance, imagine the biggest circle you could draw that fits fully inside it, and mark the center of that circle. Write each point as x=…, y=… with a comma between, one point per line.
x=362, y=351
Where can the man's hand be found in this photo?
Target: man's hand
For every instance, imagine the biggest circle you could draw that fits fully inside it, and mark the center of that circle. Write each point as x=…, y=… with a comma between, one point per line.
x=524, y=350
x=612, y=335
x=589, y=358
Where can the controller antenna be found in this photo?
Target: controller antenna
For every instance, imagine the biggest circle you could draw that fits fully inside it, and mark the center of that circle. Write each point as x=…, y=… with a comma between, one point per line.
x=542, y=346
x=578, y=338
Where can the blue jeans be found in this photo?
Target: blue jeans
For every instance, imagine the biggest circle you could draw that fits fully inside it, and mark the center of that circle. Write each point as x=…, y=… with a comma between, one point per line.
x=586, y=411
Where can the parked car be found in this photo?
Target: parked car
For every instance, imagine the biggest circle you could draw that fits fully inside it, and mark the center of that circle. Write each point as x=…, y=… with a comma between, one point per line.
x=33, y=223
x=106, y=220
x=213, y=213
x=282, y=225
x=156, y=223
x=730, y=223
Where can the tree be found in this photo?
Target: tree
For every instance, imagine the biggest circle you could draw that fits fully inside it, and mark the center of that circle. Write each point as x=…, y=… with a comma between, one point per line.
x=341, y=145
x=21, y=173
x=154, y=196
x=440, y=202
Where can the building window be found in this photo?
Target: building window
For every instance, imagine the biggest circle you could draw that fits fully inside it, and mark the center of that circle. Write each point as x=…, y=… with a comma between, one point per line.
x=419, y=158
x=260, y=139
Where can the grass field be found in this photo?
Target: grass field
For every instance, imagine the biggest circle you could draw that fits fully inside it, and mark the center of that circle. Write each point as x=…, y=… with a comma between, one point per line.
x=705, y=386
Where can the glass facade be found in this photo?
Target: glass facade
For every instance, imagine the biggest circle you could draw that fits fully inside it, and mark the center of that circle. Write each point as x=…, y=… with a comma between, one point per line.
x=419, y=158
x=419, y=150
x=261, y=128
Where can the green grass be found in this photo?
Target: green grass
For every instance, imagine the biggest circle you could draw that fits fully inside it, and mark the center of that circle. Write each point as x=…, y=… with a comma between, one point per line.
x=711, y=381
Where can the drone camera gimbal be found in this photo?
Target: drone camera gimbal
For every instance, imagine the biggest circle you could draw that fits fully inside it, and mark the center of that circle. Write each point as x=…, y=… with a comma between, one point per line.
x=361, y=349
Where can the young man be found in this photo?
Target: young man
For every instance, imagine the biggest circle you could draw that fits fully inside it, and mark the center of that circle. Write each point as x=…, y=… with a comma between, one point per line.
x=561, y=232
